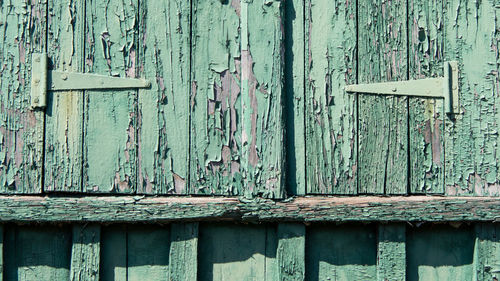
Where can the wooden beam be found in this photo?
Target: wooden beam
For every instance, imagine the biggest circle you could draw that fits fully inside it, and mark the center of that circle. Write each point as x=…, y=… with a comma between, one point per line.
x=311, y=209
x=85, y=252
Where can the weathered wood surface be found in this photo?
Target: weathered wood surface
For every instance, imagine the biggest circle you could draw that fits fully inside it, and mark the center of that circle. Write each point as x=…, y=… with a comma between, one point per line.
x=85, y=252
x=487, y=251
x=331, y=63
x=22, y=32
x=383, y=120
x=391, y=252
x=154, y=210
x=291, y=252
x=183, y=264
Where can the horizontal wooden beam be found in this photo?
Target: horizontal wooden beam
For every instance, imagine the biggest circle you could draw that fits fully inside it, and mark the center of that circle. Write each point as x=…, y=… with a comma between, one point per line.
x=305, y=209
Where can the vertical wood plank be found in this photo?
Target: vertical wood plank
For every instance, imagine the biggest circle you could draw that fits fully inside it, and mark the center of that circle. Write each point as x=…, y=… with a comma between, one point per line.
x=391, y=252
x=147, y=252
x=163, y=116
x=427, y=117
x=37, y=253
x=294, y=99
x=109, y=150
x=184, y=251
x=346, y=252
x=383, y=121
x=113, y=264
x=22, y=32
x=331, y=112
x=64, y=113
x=85, y=253
x=487, y=252
x=471, y=140
x=2, y=265
x=291, y=251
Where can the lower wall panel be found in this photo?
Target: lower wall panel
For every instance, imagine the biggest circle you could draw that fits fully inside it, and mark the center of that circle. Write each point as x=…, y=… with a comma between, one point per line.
x=228, y=251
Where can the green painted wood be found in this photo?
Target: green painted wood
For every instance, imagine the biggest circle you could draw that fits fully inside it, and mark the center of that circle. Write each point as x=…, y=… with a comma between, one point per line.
x=291, y=251
x=487, y=252
x=21, y=130
x=37, y=253
x=148, y=253
x=331, y=112
x=233, y=252
x=427, y=116
x=236, y=116
x=183, y=264
x=440, y=252
x=85, y=252
x=113, y=264
x=109, y=145
x=391, y=252
x=163, y=116
x=64, y=113
x=346, y=252
x=383, y=121
x=472, y=38
x=294, y=98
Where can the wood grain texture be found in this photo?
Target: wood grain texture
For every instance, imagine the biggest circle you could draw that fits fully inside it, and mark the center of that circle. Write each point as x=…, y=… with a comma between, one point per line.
x=391, y=252
x=383, y=120
x=331, y=142
x=109, y=145
x=487, y=252
x=22, y=32
x=293, y=96
x=427, y=117
x=85, y=252
x=163, y=116
x=183, y=264
x=37, y=253
x=291, y=251
x=439, y=252
x=341, y=253
x=113, y=264
x=471, y=141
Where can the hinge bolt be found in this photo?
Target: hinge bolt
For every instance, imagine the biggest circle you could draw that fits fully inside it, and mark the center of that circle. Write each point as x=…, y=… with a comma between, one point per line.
x=64, y=77
x=37, y=59
x=394, y=89
x=36, y=81
x=37, y=100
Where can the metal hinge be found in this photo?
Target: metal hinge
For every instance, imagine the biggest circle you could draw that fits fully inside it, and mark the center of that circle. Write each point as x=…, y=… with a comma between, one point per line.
x=442, y=87
x=43, y=80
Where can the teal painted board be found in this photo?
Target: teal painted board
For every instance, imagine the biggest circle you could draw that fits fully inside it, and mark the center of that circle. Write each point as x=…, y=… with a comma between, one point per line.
x=183, y=263
x=22, y=32
x=235, y=252
x=427, y=116
x=391, y=252
x=487, y=252
x=331, y=139
x=113, y=263
x=290, y=254
x=382, y=120
x=440, y=252
x=293, y=95
x=85, y=252
x=109, y=143
x=37, y=253
x=471, y=140
x=344, y=252
x=163, y=115
x=236, y=134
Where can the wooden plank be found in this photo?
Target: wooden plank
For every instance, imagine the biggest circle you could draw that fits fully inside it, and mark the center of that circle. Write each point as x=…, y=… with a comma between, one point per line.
x=232, y=252
x=487, y=252
x=64, y=112
x=37, y=253
x=331, y=112
x=427, y=116
x=2, y=265
x=163, y=116
x=347, y=252
x=332, y=209
x=113, y=265
x=183, y=263
x=472, y=38
x=383, y=120
x=440, y=252
x=148, y=252
x=109, y=149
x=236, y=119
x=85, y=252
x=294, y=98
x=291, y=251
x=391, y=252
x=22, y=32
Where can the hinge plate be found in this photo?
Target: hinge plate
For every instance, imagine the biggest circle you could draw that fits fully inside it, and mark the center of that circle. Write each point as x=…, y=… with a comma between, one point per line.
x=442, y=87
x=43, y=80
